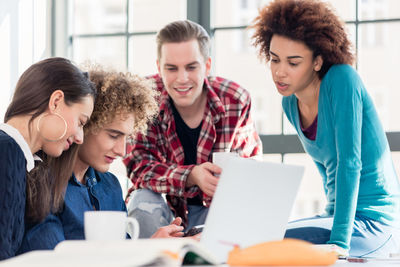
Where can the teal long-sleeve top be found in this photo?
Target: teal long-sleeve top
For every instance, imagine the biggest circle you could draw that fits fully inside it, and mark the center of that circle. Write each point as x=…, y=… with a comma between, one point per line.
x=351, y=152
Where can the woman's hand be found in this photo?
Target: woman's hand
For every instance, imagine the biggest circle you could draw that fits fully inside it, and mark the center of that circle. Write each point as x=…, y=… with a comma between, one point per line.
x=173, y=230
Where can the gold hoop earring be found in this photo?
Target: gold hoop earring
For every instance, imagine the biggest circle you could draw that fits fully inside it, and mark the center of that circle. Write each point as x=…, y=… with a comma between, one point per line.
x=51, y=138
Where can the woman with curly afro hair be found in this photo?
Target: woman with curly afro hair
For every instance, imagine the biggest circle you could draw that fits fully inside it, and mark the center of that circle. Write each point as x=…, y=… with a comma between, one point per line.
x=124, y=105
x=325, y=100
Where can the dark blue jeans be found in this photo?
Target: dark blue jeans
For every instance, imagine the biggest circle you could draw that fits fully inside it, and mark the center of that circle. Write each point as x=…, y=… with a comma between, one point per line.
x=369, y=239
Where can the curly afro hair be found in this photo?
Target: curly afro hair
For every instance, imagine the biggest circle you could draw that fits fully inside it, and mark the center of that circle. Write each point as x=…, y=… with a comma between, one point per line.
x=312, y=22
x=119, y=94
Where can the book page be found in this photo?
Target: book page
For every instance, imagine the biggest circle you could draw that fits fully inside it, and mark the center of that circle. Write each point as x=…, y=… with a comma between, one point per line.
x=139, y=252
x=142, y=252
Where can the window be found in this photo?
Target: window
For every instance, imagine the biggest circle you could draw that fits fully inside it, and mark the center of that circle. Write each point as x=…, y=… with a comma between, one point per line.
x=24, y=40
x=124, y=37
x=120, y=33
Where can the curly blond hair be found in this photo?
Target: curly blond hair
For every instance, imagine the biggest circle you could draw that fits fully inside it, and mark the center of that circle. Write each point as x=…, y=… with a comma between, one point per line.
x=120, y=94
x=310, y=21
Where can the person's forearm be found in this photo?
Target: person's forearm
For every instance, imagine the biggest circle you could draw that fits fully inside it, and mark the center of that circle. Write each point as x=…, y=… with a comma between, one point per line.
x=347, y=185
x=163, y=178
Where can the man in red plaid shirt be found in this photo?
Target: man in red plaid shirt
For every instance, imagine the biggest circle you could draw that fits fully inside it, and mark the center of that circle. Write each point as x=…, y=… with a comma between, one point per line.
x=198, y=115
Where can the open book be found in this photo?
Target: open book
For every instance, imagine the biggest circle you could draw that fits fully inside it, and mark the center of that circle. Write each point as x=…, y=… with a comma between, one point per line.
x=142, y=252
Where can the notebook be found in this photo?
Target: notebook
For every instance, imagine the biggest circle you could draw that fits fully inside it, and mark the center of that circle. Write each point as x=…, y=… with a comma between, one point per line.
x=252, y=203
x=98, y=253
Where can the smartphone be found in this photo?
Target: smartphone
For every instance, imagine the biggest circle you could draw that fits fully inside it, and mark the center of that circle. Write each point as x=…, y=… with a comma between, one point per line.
x=194, y=230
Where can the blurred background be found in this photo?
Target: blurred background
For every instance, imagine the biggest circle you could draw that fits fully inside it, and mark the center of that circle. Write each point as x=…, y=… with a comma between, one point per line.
x=121, y=34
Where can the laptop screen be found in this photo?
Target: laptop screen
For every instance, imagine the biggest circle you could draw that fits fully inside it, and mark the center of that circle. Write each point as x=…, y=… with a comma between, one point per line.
x=251, y=205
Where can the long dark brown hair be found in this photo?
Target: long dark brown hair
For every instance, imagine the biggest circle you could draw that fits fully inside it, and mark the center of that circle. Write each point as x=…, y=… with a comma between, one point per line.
x=46, y=183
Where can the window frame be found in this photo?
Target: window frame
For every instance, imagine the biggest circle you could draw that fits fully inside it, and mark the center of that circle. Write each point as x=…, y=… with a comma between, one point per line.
x=200, y=11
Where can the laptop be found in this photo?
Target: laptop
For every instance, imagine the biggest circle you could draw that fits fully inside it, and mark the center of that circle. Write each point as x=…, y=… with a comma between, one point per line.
x=251, y=205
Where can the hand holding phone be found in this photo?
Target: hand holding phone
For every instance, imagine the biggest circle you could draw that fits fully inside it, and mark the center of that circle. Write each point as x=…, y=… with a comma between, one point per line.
x=194, y=230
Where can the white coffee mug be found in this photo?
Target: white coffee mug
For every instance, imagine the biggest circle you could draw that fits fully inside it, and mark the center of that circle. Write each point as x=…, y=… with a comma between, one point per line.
x=109, y=225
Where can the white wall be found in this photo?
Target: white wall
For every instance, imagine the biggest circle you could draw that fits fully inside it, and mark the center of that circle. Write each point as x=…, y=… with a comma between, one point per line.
x=24, y=34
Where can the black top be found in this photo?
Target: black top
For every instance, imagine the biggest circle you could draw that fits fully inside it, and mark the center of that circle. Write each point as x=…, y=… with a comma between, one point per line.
x=188, y=138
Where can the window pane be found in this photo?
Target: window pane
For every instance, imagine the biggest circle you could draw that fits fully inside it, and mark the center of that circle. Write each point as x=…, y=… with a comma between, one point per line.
x=311, y=198
x=396, y=162
x=107, y=51
x=40, y=23
x=379, y=55
x=277, y=158
x=346, y=9
x=235, y=12
x=25, y=35
x=118, y=169
x=351, y=33
x=287, y=126
x=143, y=55
x=235, y=59
x=6, y=55
x=99, y=16
x=242, y=12
x=379, y=9
x=152, y=15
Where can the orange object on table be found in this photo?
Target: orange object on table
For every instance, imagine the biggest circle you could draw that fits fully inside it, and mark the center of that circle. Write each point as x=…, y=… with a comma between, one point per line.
x=279, y=253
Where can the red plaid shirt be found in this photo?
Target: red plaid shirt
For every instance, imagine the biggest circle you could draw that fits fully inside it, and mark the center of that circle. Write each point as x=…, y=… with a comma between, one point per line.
x=155, y=160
